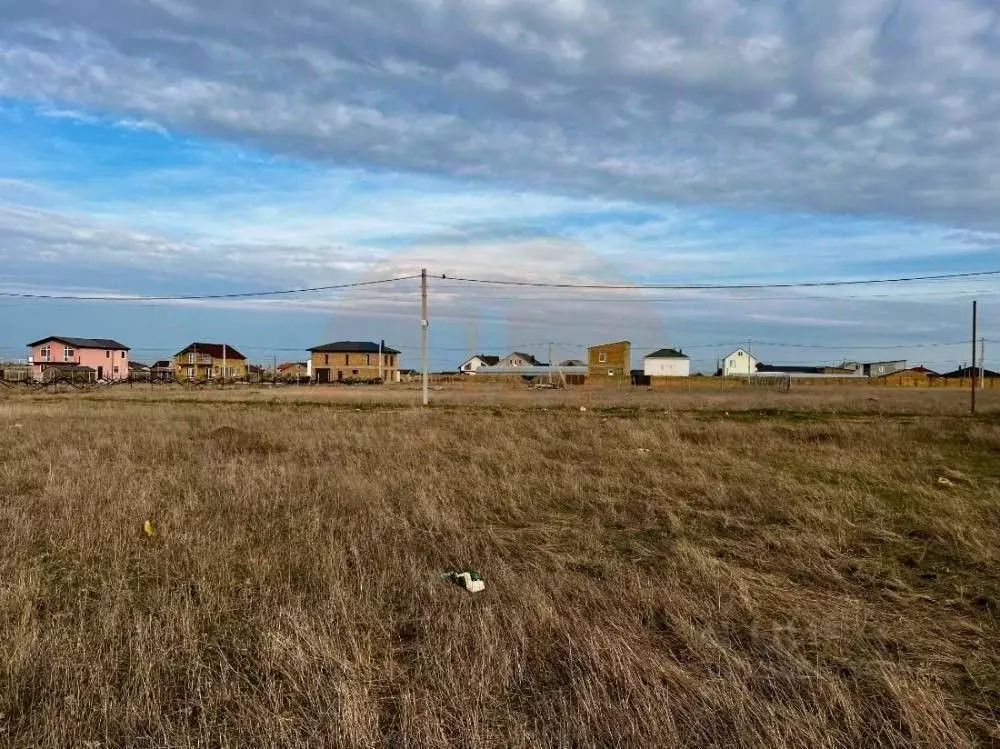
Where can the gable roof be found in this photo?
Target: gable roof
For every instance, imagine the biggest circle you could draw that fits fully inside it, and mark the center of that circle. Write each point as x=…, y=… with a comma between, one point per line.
x=352, y=347
x=736, y=351
x=962, y=372
x=290, y=365
x=163, y=364
x=919, y=370
x=666, y=353
x=98, y=343
x=215, y=350
x=527, y=357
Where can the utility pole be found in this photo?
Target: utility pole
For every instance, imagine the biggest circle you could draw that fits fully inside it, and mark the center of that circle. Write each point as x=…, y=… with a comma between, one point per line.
x=982, y=362
x=972, y=369
x=550, y=363
x=423, y=329
x=749, y=362
x=381, y=343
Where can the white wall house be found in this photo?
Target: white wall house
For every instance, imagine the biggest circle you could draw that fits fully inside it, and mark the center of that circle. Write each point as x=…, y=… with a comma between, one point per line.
x=666, y=363
x=474, y=363
x=518, y=359
x=740, y=362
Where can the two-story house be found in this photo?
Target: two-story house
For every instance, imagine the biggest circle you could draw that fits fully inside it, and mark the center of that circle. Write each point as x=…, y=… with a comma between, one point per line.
x=209, y=361
x=609, y=362
x=476, y=362
x=353, y=360
x=106, y=357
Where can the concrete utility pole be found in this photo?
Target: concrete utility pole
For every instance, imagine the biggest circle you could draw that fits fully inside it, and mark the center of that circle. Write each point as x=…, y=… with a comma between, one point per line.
x=550, y=364
x=223, y=362
x=423, y=329
x=381, y=343
x=972, y=369
x=982, y=362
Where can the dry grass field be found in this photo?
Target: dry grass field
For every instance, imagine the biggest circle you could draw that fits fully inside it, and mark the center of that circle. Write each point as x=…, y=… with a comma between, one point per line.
x=679, y=569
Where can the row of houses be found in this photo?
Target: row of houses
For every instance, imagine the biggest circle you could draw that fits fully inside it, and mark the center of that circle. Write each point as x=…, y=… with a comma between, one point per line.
x=612, y=361
x=107, y=360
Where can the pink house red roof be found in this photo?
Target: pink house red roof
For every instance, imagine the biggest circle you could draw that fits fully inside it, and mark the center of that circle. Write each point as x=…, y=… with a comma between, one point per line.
x=105, y=344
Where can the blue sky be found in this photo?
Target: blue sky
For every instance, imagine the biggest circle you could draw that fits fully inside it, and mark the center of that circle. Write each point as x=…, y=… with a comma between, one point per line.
x=162, y=148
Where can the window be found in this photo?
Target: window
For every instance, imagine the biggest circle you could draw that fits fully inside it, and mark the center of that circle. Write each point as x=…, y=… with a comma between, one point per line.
x=602, y=357
x=68, y=354
x=368, y=360
x=354, y=371
x=739, y=353
x=326, y=358
x=45, y=353
x=116, y=369
x=107, y=354
x=347, y=358
x=191, y=358
x=123, y=354
x=611, y=373
x=190, y=372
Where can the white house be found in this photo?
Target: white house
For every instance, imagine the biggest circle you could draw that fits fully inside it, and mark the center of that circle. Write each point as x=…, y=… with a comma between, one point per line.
x=666, y=363
x=740, y=362
x=518, y=359
x=474, y=363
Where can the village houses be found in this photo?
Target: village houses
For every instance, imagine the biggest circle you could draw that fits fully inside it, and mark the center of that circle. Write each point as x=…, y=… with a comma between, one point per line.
x=91, y=359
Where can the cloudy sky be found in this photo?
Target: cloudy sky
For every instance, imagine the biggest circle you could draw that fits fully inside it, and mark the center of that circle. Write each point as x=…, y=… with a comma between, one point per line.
x=173, y=147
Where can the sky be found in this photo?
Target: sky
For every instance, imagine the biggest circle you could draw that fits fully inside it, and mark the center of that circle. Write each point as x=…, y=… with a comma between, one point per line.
x=169, y=148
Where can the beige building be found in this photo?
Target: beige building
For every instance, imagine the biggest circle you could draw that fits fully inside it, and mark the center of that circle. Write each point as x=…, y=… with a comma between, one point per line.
x=609, y=362
x=353, y=360
x=209, y=361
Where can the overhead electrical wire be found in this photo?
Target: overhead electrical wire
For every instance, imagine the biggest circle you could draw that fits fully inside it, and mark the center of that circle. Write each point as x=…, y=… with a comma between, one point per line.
x=196, y=297
x=721, y=287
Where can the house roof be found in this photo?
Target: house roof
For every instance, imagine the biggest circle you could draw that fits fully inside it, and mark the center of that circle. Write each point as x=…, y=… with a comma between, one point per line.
x=98, y=343
x=137, y=365
x=215, y=350
x=527, y=357
x=967, y=371
x=736, y=351
x=919, y=370
x=610, y=343
x=163, y=364
x=666, y=353
x=290, y=364
x=572, y=363
x=352, y=347
x=67, y=367
x=790, y=369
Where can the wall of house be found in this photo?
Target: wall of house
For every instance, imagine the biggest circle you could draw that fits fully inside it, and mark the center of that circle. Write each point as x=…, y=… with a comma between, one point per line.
x=111, y=365
x=207, y=367
x=609, y=361
x=672, y=367
x=471, y=367
x=352, y=365
x=739, y=363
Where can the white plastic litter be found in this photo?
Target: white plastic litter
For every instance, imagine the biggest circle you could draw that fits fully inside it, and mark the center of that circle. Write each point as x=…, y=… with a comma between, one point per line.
x=473, y=586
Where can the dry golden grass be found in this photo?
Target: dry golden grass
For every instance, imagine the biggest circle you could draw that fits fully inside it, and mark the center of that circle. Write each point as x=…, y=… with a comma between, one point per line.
x=654, y=576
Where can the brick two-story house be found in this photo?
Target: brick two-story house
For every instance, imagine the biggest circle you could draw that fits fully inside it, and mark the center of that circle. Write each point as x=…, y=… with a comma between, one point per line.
x=209, y=361
x=353, y=360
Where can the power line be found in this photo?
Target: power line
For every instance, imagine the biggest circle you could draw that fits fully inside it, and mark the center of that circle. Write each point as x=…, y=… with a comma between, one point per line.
x=721, y=287
x=195, y=297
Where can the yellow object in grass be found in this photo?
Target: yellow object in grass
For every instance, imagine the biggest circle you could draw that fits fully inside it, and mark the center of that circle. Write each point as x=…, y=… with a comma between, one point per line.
x=148, y=527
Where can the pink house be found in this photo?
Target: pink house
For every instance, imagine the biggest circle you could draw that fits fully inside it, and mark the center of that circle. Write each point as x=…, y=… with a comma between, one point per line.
x=91, y=358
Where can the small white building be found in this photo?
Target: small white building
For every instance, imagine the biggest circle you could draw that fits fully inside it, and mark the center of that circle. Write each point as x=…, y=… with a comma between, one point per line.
x=666, y=362
x=476, y=362
x=740, y=362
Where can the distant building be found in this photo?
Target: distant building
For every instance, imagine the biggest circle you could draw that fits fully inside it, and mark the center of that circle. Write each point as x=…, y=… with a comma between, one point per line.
x=966, y=372
x=609, y=362
x=740, y=362
x=875, y=368
x=517, y=359
x=293, y=370
x=106, y=357
x=914, y=376
x=476, y=362
x=162, y=370
x=666, y=362
x=353, y=360
x=209, y=361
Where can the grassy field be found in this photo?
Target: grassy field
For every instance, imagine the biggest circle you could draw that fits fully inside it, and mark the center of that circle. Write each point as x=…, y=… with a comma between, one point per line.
x=680, y=569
